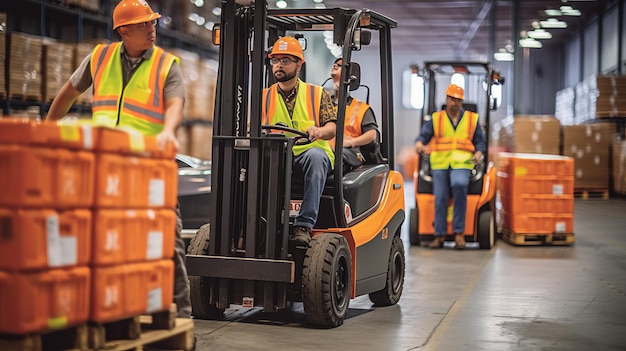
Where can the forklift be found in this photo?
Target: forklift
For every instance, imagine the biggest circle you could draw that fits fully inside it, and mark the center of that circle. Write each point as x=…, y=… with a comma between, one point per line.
x=242, y=258
x=479, y=80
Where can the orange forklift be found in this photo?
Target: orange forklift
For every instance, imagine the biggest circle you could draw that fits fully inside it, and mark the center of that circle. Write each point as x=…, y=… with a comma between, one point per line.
x=241, y=258
x=482, y=84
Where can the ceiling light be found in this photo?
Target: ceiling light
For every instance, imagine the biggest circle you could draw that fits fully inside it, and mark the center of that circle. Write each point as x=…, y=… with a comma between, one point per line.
x=569, y=11
x=553, y=23
x=281, y=4
x=318, y=1
x=552, y=12
x=503, y=55
x=530, y=43
x=539, y=34
x=217, y=11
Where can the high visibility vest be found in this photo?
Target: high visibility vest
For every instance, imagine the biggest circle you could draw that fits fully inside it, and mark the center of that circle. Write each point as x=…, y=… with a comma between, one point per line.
x=354, y=118
x=140, y=105
x=305, y=113
x=453, y=148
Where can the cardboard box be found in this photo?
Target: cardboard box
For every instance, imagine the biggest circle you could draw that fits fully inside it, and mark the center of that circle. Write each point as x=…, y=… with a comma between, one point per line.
x=538, y=134
x=589, y=145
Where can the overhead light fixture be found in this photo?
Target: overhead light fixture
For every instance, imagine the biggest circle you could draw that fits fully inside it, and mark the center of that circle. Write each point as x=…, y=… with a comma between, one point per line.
x=281, y=4
x=503, y=55
x=552, y=12
x=553, y=23
x=539, y=34
x=530, y=43
x=570, y=11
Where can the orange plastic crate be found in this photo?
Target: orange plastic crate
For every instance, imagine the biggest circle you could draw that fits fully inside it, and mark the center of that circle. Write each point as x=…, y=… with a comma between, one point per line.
x=135, y=182
x=512, y=185
x=122, y=291
x=537, y=203
x=522, y=164
x=537, y=223
x=37, y=239
x=44, y=300
x=45, y=177
x=122, y=236
x=15, y=130
x=120, y=141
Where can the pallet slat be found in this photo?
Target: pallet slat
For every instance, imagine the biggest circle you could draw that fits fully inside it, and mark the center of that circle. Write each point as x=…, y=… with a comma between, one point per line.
x=587, y=193
x=526, y=239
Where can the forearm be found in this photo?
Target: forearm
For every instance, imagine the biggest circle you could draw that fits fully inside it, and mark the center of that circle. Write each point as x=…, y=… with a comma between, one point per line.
x=363, y=139
x=63, y=102
x=328, y=131
x=173, y=114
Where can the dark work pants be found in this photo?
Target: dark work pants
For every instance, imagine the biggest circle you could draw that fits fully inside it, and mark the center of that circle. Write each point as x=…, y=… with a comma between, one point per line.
x=181, y=281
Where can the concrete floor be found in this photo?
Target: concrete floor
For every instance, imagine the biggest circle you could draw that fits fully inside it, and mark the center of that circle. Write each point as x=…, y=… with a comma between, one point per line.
x=508, y=298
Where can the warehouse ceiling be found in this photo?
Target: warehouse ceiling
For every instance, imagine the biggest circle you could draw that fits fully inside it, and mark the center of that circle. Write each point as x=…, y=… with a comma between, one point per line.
x=461, y=29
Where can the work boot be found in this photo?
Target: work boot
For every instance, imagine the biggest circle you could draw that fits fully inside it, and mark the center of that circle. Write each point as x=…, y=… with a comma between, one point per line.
x=301, y=236
x=437, y=242
x=459, y=240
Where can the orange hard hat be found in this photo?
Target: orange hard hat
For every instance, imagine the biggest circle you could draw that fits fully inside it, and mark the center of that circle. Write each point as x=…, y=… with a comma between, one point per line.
x=132, y=12
x=287, y=46
x=455, y=91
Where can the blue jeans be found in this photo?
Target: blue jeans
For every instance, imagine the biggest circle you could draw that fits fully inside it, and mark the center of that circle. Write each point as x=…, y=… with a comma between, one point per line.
x=315, y=165
x=445, y=183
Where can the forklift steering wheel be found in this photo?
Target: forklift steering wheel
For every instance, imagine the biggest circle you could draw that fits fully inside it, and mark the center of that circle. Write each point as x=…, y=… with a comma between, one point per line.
x=301, y=137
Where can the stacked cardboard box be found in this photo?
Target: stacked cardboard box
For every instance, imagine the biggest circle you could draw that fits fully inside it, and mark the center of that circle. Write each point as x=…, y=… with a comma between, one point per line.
x=619, y=166
x=535, y=193
x=24, y=75
x=608, y=95
x=57, y=66
x=530, y=134
x=589, y=145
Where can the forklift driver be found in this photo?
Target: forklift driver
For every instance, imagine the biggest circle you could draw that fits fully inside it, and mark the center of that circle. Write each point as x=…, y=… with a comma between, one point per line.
x=458, y=143
x=305, y=107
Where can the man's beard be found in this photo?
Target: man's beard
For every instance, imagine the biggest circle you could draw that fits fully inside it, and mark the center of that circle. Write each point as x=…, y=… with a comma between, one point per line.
x=286, y=76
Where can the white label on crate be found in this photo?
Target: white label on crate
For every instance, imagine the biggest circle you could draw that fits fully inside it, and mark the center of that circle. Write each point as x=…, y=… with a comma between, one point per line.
x=155, y=300
x=247, y=302
x=111, y=296
x=156, y=192
x=557, y=189
x=113, y=185
x=155, y=245
x=55, y=251
x=69, y=250
x=87, y=137
x=560, y=227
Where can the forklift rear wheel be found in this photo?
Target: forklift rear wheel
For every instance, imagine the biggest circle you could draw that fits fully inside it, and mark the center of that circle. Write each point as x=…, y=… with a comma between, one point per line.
x=326, y=280
x=414, y=236
x=199, y=286
x=486, y=230
x=390, y=295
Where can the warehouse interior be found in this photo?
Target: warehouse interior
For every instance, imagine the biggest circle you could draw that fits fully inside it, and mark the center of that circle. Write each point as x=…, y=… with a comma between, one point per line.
x=552, y=280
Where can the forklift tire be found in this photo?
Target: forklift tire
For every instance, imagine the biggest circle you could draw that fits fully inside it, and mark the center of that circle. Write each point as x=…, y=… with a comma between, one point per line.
x=199, y=286
x=390, y=295
x=414, y=236
x=486, y=230
x=327, y=280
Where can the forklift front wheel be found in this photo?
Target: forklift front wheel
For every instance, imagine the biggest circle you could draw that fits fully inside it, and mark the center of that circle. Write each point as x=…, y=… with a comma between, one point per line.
x=327, y=280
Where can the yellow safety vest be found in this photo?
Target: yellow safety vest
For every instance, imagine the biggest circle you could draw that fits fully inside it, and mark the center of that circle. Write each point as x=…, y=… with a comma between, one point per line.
x=140, y=105
x=354, y=118
x=453, y=148
x=305, y=113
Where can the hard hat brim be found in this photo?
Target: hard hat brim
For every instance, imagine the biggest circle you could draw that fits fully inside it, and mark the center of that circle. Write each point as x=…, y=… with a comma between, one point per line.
x=142, y=19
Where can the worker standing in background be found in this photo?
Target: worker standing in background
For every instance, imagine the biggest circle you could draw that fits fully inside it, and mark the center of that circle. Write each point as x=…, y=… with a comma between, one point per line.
x=457, y=142
x=139, y=86
x=361, y=135
x=308, y=108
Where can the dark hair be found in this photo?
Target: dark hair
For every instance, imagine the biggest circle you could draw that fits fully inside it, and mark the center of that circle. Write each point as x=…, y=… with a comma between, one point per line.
x=338, y=59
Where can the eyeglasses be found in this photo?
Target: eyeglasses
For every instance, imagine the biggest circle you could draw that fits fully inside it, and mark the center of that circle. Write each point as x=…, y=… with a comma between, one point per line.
x=153, y=23
x=284, y=61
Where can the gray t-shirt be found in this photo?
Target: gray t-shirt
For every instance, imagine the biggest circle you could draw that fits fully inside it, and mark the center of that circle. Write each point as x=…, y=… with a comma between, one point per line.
x=174, y=87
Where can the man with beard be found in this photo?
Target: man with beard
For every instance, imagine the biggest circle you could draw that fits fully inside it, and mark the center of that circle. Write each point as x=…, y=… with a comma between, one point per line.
x=308, y=108
x=137, y=86
x=457, y=142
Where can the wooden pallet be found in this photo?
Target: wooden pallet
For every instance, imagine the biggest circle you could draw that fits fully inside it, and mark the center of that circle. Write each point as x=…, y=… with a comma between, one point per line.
x=526, y=239
x=587, y=193
x=160, y=330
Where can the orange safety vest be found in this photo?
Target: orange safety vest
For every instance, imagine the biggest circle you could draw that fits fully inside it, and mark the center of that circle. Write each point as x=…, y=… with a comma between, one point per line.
x=452, y=147
x=354, y=118
x=306, y=113
x=139, y=105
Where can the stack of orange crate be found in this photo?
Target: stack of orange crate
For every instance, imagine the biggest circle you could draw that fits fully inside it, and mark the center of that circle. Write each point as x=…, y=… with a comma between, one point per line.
x=45, y=225
x=536, y=198
x=134, y=226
